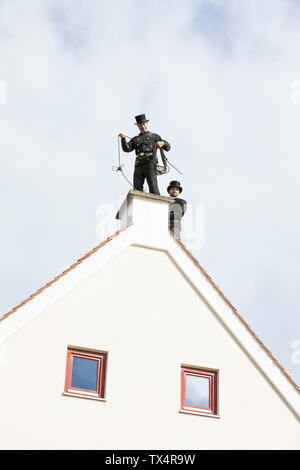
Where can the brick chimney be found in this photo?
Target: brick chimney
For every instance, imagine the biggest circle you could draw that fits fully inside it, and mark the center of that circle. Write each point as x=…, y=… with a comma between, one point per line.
x=148, y=212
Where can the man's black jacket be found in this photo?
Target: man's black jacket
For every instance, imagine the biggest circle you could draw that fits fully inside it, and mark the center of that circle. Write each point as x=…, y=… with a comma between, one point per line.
x=144, y=145
x=177, y=210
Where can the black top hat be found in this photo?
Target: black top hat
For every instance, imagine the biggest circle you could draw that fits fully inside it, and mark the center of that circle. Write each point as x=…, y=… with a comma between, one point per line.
x=174, y=184
x=140, y=118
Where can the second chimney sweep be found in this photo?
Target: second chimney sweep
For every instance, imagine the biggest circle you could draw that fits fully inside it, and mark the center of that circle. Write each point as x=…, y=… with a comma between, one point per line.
x=145, y=145
x=177, y=210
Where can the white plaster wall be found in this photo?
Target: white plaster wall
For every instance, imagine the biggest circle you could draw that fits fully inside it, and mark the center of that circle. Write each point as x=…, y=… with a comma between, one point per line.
x=141, y=310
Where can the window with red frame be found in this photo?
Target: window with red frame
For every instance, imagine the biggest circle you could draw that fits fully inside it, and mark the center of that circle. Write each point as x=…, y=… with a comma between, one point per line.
x=199, y=390
x=85, y=373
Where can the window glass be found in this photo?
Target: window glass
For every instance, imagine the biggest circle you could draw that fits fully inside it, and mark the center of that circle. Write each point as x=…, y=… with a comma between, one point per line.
x=197, y=391
x=84, y=373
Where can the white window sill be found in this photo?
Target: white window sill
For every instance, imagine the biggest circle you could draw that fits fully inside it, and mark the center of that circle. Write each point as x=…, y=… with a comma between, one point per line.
x=199, y=413
x=82, y=396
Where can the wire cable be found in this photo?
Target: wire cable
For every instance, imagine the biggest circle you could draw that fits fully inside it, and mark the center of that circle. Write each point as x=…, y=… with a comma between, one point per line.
x=160, y=170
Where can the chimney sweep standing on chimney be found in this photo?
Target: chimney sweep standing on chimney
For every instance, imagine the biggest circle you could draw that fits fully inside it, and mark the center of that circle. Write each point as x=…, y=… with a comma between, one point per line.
x=177, y=210
x=145, y=145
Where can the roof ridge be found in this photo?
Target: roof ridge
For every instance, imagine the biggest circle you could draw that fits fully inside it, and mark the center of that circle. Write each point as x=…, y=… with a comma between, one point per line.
x=80, y=260
x=237, y=314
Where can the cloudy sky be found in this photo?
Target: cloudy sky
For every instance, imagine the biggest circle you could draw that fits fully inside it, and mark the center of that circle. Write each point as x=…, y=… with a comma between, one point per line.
x=220, y=80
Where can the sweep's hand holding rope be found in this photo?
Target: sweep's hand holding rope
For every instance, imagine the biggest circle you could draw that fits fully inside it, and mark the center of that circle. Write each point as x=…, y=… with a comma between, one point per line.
x=120, y=167
x=160, y=170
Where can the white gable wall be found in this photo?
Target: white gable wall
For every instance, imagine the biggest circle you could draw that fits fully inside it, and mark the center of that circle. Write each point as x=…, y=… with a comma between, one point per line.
x=140, y=309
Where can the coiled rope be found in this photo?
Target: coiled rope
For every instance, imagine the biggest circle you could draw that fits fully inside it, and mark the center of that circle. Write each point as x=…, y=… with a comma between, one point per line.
x=160, y=170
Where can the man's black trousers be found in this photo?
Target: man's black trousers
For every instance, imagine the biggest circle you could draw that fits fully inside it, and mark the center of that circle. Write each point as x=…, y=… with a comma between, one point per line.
x=147, y=170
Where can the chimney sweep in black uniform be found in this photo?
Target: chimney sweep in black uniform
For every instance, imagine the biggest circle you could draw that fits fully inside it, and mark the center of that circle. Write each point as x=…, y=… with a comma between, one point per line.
x=145, y=145
x=177, y=210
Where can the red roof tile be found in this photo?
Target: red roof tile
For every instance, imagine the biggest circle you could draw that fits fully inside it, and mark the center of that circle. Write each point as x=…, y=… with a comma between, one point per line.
x=63, y=273
x=236, y=313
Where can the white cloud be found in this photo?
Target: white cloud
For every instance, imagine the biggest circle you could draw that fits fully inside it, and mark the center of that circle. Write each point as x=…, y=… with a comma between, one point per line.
x=2, y=92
